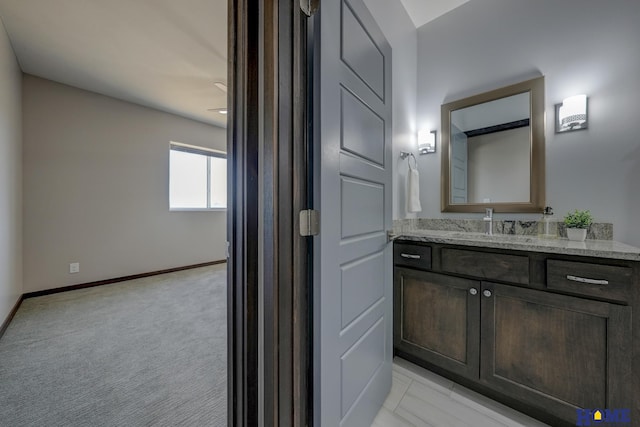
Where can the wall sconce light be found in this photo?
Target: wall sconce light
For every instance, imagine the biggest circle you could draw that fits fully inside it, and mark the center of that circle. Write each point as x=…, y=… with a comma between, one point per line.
x=427, y=142
x=572, y=114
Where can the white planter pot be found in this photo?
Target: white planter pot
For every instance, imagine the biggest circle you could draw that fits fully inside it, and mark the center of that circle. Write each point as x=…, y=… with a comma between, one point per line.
x=577, y=234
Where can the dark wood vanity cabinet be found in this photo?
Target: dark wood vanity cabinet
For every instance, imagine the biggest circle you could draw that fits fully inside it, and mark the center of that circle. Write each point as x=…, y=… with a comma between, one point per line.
x=506, y=324
x=440, y=319
x=554, y=351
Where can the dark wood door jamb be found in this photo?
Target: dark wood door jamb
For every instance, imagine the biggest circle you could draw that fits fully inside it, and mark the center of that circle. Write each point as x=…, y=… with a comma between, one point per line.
x=269, y=290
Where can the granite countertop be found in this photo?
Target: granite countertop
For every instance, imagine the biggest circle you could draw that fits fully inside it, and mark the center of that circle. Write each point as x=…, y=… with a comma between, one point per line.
x=592, y=248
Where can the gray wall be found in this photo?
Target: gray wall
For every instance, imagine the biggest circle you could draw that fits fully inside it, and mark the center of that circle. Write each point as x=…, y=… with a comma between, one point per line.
x=10, y=178
x=580, y=46
x=401, y=34
x=96, y=189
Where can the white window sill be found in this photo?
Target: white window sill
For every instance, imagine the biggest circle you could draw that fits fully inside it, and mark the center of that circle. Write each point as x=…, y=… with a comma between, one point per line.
x=197, y=209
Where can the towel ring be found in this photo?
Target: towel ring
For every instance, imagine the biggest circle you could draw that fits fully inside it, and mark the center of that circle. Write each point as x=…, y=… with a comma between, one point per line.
x=415, y=161
x=406, y=155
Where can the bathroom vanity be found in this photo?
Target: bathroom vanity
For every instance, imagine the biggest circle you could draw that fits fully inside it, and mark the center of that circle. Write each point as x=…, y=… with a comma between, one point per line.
x=544, y=326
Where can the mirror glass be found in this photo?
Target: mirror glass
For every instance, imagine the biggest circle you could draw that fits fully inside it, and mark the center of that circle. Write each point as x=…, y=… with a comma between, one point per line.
x=490, y=159
x=492, y=150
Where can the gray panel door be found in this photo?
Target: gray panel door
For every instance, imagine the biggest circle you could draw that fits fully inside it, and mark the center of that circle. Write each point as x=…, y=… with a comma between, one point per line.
x=353, y=266
x=459, y=166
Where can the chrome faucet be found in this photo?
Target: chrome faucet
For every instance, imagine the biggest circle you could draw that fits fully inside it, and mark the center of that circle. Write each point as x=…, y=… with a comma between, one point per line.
x=488, y=221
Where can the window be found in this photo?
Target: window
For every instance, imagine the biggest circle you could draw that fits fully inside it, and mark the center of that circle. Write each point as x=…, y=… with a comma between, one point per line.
x=197, y=178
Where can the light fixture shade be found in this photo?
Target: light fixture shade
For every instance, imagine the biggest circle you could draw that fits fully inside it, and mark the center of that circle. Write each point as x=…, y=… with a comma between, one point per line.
x=572, y=114
x=221, y=86
x=426, y=141
x=222, y=110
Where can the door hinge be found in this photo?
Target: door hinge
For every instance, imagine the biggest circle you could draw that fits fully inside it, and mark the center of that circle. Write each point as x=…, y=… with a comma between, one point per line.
x=309, y=222
x=309, y=7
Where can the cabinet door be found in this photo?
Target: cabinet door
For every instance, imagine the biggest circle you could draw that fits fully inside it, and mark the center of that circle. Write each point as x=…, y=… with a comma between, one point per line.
x=556, y=352
x=436, y=318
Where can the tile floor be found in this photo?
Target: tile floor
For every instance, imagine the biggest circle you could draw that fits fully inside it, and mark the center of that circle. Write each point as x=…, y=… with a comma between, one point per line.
x=421, y=398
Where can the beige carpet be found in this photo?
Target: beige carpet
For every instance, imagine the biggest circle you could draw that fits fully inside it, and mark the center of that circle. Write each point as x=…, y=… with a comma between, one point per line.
x=148, y=352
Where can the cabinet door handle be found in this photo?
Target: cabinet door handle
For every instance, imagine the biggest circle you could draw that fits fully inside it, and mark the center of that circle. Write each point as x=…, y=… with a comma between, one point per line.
x=410, y=256
x=473, y=291
x=585, y=280
x=486, y=293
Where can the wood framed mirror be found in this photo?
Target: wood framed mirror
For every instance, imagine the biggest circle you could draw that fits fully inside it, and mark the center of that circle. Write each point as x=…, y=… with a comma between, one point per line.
x=493, y=150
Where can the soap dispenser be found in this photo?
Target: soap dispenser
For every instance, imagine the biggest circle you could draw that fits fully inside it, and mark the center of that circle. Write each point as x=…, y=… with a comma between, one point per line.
x=549, y=231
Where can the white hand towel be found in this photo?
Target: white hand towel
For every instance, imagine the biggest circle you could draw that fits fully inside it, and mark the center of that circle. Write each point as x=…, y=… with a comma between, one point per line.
x=413, y=190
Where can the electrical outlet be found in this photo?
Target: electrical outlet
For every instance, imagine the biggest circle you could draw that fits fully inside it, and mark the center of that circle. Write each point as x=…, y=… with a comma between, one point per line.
x=74, y=267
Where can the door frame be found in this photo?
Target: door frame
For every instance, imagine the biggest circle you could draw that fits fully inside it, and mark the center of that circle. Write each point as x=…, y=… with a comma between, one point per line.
x=269, y=287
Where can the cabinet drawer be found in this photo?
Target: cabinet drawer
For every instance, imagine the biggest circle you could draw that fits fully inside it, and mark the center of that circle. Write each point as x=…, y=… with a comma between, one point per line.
x=603, y=281
x=409, y=255
x=486, y=265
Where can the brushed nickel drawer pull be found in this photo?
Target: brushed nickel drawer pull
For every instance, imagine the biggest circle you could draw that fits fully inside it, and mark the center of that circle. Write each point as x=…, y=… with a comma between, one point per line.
x=585, y=280
x=410, y=256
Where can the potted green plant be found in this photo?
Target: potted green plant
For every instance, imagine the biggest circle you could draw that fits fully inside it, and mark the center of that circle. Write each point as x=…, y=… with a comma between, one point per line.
x=577, y=223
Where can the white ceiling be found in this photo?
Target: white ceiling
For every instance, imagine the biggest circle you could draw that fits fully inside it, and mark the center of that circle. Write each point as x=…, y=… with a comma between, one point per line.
x=165, y=54
x=423, y=11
